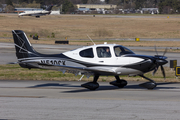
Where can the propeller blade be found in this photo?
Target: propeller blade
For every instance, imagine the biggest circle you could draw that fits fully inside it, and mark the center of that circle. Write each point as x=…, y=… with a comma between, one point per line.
x=163, y=72
x=159, y=62
x=165, y=51
x=155, y=70
x=155, y=50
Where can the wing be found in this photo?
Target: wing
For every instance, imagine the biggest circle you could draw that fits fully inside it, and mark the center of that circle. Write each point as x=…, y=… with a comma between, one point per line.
x=38, y=14
x=88, y=71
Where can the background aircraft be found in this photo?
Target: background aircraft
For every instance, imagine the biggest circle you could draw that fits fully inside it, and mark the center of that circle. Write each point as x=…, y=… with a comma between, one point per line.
x=96, y=60
x=37, y=13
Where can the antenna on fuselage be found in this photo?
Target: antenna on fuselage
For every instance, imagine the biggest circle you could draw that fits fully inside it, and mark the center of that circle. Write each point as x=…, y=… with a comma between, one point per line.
x=91, y=39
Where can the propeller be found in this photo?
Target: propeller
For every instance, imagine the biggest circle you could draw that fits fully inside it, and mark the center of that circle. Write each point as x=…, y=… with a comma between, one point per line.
x=163, y=72
x=155, y=50
x=165, y=51
x=157, y=66
x=160, y=61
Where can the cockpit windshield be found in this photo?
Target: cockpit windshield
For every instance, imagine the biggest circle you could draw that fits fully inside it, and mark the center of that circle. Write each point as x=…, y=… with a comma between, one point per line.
x=121, y=50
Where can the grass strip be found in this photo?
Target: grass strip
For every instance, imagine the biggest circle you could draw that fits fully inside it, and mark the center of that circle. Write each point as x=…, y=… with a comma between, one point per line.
x=15, y=72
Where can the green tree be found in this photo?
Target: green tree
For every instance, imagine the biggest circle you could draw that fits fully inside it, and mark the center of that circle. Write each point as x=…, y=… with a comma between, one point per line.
x=155, y=2
x=93, y=1
x=24, y=4
x=33, y=4
x=21, y=1
x=160, y=6
x=9, y=2
x=107, y=1
x=139, y=3
x=9, y=8
x=1, y=5
x=84, y=1
x=67, y=6
x=165, y=6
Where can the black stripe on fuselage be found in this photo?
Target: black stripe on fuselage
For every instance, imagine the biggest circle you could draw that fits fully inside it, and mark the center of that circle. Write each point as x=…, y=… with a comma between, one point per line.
x=148, y=64
x=140, y=56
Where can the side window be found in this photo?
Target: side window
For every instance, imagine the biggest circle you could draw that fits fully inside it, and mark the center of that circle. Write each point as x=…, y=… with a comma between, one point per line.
x=127, y=50
x=103, y=52
x=117, y=51
x=88, y=53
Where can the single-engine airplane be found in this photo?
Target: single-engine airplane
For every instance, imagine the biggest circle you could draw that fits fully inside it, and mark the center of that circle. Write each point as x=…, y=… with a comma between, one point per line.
x=97, y=60
x=37, y=14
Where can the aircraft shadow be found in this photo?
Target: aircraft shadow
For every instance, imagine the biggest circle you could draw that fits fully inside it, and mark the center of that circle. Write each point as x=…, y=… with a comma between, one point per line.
x=101, y=87
x=167, y=83
x=137, y=87
x=53, y=85
x=86, y=90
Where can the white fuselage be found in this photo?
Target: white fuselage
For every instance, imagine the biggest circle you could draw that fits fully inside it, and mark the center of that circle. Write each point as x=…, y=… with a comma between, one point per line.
x=34, y=13
x=113, y=60
x=115, y=64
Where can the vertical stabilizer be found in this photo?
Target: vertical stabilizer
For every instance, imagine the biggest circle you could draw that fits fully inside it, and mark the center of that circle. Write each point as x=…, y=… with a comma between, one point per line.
x=49, y=8
x=22, y=45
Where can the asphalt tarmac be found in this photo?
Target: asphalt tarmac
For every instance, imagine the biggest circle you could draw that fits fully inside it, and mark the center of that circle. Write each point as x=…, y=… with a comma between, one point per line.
x=44, y=100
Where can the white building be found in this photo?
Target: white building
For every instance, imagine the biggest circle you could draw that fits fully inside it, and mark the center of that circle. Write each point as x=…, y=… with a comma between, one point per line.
x=55, y=12
x=150, y=10
x=96, y=6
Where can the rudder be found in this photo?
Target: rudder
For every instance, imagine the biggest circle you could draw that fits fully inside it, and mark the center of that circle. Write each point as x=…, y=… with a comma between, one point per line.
x=49, y=8
x=22, y=45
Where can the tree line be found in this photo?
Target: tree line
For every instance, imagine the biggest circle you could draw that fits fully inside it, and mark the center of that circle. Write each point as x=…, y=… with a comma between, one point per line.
x=165, y=6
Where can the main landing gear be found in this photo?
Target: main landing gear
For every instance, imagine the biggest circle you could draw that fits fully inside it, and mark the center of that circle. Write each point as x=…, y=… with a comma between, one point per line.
x=149, y=85
x=119, y=82
x=94, y=85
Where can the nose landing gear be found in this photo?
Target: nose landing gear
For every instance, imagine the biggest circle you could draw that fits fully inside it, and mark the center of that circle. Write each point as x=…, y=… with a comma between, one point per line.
x=149, y=85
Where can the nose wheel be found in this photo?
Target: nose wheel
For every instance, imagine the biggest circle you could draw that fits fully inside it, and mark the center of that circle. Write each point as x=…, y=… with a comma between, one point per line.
x=149, y=85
